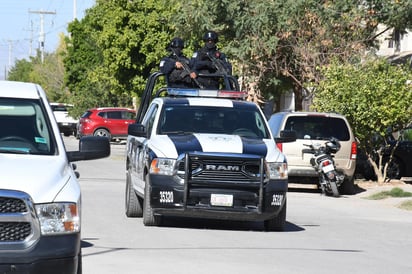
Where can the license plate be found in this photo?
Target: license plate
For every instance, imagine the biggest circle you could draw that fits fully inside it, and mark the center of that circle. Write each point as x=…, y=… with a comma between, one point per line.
x=327, y=168
x=221, y=200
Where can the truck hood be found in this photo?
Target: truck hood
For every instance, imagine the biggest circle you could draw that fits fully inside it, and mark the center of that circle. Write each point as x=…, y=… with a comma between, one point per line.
x=42, y=177
x=173, y=145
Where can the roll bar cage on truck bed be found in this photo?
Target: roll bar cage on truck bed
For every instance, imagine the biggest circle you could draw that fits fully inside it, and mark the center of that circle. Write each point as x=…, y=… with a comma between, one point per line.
x=230, y=83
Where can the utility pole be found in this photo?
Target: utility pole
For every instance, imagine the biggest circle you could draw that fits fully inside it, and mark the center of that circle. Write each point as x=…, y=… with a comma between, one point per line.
x=8, y=66
x=42, y=34
x=31, y=39
x=10, y=52
x=74, y=10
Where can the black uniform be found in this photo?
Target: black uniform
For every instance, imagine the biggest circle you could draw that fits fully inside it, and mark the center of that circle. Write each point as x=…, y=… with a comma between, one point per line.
x=176, y=77
x=206, y=60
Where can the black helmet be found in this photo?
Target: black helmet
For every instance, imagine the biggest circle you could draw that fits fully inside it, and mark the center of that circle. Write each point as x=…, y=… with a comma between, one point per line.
x=333, y=145
x=177, y=43
x=210, y=35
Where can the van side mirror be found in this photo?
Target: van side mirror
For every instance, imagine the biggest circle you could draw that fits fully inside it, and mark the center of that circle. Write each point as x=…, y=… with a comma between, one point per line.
x=286, y=136
x=90, y=148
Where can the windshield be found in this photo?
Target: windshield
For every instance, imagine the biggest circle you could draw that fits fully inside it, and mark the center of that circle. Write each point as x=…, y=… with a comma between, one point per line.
x=24, y=128
x=245, y=122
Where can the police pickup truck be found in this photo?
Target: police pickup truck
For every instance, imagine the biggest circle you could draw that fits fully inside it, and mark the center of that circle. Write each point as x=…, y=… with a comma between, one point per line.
x=205, y=154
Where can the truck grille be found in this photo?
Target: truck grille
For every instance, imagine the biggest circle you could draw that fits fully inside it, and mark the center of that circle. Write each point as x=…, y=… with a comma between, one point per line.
x=12, y=205
x=240, y=176
x=203, y=167
x=14, y=231
x=19, y=228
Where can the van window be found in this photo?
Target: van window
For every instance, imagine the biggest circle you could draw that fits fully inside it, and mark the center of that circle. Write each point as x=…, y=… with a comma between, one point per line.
x=318, y=127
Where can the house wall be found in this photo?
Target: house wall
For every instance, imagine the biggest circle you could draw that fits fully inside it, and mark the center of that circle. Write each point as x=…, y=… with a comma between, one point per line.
x=388, y=45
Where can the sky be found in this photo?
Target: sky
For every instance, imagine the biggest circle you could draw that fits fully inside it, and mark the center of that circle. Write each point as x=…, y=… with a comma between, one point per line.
x=20, y=26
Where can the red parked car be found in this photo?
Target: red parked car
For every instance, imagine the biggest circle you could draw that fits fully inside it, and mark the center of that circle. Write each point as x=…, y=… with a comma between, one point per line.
x=108, y=122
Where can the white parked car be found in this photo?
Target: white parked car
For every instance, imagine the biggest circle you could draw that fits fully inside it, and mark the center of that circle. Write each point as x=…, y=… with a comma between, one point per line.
x=40, y=197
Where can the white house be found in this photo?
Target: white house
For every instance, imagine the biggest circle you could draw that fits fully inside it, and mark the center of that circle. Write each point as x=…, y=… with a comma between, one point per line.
x=393, y=42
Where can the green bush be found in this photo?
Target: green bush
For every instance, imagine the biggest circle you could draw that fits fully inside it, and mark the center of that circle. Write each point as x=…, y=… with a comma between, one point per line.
x=396, y=192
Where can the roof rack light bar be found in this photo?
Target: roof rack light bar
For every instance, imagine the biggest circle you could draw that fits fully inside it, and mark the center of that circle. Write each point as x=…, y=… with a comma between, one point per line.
x=207, y=93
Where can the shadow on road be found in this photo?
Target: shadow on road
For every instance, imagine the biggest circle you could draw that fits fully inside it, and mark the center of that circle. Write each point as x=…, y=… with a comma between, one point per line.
x=195, y=223
x=303, y=188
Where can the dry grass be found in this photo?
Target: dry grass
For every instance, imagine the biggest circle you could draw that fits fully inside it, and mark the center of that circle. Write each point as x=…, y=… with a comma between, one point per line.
x=395, y=192
x=407, y=205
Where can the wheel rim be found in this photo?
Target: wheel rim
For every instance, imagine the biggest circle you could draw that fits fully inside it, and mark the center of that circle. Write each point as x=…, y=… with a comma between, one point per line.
x=102, y=133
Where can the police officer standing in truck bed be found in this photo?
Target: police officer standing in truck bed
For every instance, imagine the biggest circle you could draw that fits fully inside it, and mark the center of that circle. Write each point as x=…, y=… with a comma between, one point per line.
x=176, y=66
x=209, y=60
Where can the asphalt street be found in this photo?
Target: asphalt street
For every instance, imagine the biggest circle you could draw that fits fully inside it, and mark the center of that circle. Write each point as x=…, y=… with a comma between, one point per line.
x=324, y=234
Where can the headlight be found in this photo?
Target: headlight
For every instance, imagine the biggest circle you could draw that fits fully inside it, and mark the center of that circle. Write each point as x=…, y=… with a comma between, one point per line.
x=162, y=166
x=277, y=170
x=58, y=218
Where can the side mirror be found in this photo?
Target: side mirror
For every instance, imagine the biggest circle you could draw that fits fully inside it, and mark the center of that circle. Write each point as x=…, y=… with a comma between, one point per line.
x=90, y=148
x=286, y=136
x=137, y=130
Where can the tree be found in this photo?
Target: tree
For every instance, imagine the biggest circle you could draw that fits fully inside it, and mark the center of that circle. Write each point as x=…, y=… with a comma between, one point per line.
x=373, y=95
x=49, y=74
x=114, y=48
x=395, y=14
x=21, y=71
x=81, y=59
x=274, y=45
x=280, y=45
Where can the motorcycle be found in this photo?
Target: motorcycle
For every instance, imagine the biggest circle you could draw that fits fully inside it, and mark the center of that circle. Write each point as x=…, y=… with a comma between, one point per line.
x=322, y=161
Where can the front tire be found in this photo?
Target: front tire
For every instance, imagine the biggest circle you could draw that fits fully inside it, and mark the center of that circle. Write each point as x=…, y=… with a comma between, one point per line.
x=277, y=223
x=79, y=262
x=149, y=219
x=133, y=203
